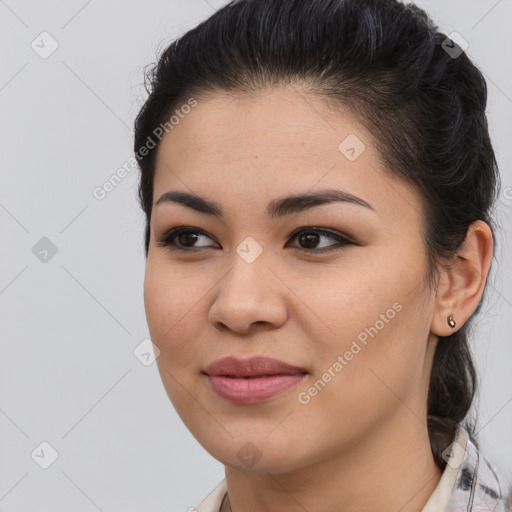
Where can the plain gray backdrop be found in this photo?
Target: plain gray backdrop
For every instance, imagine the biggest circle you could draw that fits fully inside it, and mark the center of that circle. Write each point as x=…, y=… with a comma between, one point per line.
x=72, y=265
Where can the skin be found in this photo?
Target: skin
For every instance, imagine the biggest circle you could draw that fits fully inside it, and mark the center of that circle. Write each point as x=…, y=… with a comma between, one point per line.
x=360, y=444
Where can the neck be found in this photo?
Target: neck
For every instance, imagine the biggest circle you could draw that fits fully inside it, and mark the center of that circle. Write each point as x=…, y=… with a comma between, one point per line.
x=390, y=469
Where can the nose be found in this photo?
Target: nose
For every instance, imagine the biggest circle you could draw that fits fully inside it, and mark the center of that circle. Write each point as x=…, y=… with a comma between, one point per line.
x=250, y=297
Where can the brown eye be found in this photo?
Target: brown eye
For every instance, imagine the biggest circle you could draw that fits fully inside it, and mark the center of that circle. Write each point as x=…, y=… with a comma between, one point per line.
x=182, y=239
x=187, y=238
x=309, y=239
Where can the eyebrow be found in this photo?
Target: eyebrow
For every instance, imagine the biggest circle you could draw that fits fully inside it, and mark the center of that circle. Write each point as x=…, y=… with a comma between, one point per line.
x=276, y=208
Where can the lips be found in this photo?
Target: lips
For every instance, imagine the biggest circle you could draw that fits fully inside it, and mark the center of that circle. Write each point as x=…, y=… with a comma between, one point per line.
x=254, y=380
x=251, y=368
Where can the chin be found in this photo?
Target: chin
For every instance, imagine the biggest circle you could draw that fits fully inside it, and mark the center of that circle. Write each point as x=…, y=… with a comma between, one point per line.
x=256, y=453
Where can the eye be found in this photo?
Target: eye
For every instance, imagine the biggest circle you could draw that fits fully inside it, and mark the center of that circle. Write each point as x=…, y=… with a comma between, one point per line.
x=312, y=235
x=187, y=237
x=183, y=239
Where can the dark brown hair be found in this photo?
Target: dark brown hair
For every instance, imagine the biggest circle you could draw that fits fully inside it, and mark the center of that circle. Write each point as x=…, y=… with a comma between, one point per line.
x=388, y=64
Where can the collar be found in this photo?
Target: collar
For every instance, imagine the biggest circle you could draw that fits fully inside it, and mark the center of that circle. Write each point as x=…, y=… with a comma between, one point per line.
x=468, y=483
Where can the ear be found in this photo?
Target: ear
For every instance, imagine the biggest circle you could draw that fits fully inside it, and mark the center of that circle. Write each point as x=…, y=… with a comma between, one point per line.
x=462, y=282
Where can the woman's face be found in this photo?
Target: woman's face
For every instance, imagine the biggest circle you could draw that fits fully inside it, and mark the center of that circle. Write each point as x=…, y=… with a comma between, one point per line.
x=356, y=320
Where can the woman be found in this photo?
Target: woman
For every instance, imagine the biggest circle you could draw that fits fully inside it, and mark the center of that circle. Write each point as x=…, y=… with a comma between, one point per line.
x=317, y=178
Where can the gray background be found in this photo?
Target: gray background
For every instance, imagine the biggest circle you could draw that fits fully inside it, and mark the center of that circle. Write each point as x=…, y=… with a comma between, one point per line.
x=69, y=325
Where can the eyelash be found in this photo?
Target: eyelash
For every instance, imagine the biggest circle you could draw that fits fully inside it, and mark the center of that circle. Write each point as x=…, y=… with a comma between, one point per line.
x=166, y=240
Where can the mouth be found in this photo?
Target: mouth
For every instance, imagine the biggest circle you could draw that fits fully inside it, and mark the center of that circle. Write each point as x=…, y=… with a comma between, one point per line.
x=254, y=380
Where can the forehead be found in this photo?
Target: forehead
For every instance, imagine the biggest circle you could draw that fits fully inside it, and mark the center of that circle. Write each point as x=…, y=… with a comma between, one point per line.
x=274, y=143
x=281, y=120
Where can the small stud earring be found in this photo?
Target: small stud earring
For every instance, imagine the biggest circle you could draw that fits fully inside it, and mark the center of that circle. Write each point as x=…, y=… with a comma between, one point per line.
x=451, y=322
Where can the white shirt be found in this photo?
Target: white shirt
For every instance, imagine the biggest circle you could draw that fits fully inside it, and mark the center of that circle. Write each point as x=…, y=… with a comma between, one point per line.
x=468, y=483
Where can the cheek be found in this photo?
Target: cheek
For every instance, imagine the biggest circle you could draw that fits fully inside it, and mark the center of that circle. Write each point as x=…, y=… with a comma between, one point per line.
x=373, y=338
x=171, y=307
x=171, y=313
x=345, y=306
x=372, y=381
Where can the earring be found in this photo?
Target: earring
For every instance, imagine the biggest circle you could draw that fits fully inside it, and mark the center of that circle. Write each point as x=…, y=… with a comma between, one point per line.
x=451, y=322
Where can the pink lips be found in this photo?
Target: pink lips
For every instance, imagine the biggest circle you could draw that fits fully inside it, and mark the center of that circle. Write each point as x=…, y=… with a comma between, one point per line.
x=248, y=381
